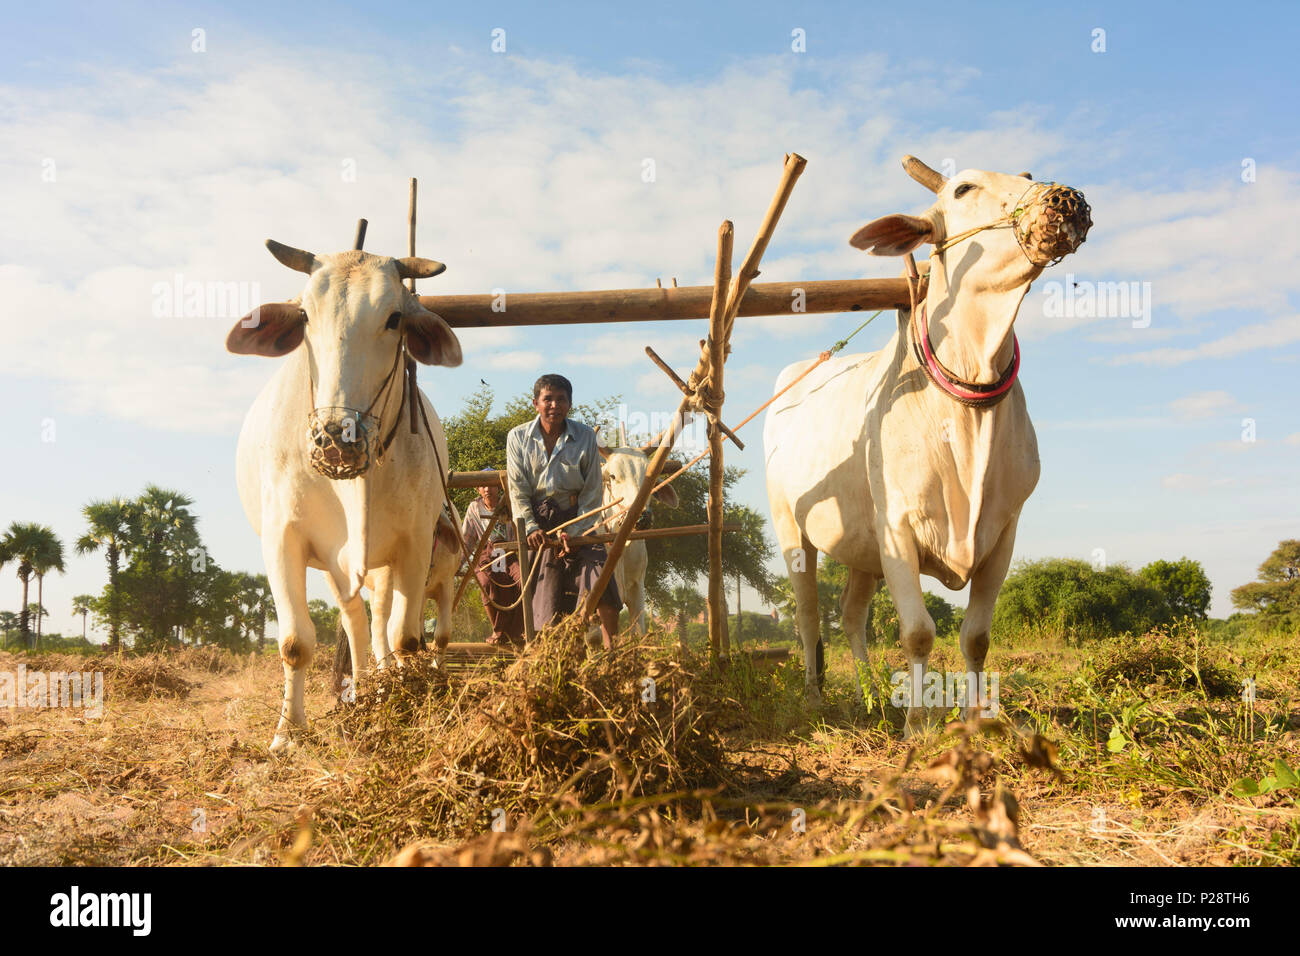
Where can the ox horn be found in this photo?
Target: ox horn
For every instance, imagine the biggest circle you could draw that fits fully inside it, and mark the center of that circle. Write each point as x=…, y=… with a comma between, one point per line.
x=412, y=267
x=297, y=259
x=923, y=174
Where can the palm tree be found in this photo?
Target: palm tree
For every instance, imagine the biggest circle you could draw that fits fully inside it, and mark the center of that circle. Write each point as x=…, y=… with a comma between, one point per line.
x=30, y=545
x=163, y=521
x=49, y=559
x=684, y=603
x=255, y=595
x=81, y=605
x=110, y=528
x=165, y=531
x=8, y=622
x=36, y=611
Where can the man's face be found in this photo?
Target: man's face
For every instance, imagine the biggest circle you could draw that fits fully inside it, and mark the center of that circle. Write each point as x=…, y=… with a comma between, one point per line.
x=552, y=405
x=489, y=494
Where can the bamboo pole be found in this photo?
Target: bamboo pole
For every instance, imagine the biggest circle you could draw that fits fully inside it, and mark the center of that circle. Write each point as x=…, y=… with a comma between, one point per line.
x=659, y=305
x=410, y=243
x=685, y=389
x=476, y=479
x=794, y=167
x=582, y=540
x=718, y=638
x=634, y=510
x=521, y=541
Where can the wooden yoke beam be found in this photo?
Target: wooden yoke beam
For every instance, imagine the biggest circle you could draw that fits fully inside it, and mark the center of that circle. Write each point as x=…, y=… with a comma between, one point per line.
x=659, y=305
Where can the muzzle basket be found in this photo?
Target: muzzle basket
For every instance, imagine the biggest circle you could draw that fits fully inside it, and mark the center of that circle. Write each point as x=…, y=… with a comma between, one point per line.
x=341, y=442
x=1053, y=224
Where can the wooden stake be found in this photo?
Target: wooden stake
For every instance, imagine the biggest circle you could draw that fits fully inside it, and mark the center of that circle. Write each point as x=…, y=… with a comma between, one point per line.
x=718, y=637
x=410, y=245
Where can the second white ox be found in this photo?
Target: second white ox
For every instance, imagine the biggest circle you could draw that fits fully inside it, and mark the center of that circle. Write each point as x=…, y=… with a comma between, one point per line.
x=624, y=470
x=917, y=459
x=330, y=474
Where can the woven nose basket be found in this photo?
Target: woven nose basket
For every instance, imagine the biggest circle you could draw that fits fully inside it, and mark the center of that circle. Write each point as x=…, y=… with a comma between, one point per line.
x=1054, y=225
x=339, y=442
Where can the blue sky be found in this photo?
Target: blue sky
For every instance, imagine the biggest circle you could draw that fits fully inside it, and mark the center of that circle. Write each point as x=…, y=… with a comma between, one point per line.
x=127, y=158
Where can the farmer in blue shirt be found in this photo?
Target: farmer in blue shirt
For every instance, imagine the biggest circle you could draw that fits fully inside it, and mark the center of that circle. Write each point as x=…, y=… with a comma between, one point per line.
x=554, y=471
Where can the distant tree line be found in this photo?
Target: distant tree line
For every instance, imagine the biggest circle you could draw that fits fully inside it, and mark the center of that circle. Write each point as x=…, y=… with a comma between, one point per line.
x=163, y=588
x=1078, y=600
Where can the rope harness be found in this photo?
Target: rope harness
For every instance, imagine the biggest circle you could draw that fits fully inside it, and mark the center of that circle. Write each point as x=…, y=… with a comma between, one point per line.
x=327, y=439
x=1051, y=225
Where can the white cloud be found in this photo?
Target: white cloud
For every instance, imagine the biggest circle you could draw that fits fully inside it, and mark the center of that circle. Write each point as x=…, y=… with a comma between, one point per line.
x=1205, y=405
x=1257, y=335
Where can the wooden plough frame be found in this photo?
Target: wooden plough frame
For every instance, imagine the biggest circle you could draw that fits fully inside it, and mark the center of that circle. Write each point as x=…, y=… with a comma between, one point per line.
x=729, y=296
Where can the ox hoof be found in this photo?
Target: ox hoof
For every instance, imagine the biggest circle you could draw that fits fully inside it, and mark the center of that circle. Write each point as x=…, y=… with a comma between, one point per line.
x=283, y=745
x=813, y=697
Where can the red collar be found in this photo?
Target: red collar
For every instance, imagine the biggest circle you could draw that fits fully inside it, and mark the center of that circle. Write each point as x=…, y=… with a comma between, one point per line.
x=974, y=394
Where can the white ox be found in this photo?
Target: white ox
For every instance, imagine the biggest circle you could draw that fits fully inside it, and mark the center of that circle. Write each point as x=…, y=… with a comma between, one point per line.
x=623, y=472
x=897, y=468
x=330, y=474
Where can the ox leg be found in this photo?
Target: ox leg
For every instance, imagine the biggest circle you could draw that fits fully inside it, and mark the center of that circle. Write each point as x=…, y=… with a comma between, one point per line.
x=355, y=625
x=915, y=626
x=286, y=570
x=406, y=617
x=802, y=564
x=629, y=573
x=855, y=607
x=442, y=588
x=986, y=582
x=381, y=604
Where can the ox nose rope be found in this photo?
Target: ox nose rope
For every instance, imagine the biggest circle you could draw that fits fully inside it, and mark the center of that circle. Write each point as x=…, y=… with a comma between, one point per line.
x=1051, y=225
x=1043, y=238
x=409, y=398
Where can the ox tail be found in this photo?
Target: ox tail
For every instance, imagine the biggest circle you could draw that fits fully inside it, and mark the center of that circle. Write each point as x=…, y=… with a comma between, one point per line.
x=342, y=658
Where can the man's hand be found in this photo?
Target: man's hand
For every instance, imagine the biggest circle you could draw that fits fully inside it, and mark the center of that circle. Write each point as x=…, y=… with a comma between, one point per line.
x=536, y=540
x=564, y=542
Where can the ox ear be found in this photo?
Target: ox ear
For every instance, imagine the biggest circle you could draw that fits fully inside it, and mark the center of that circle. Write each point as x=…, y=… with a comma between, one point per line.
x=668, y=494
x=412, y=267
x=430, y=339
x=892, y=235
x=604, y=452
x=272, y=330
